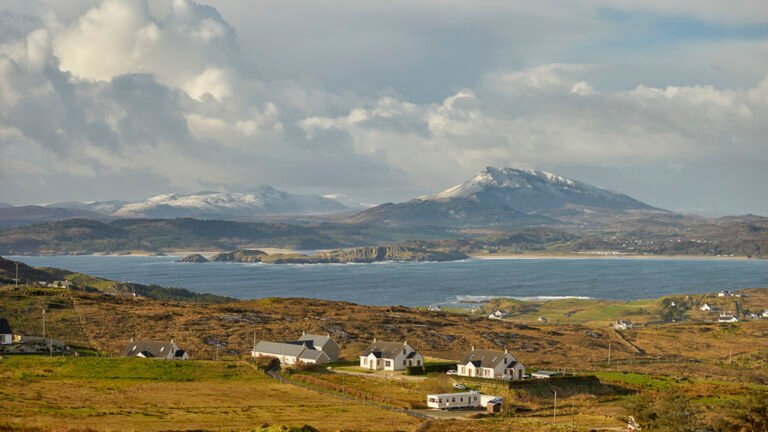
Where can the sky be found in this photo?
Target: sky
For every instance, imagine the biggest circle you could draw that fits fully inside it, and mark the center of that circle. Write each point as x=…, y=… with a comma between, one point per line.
x=384, y=101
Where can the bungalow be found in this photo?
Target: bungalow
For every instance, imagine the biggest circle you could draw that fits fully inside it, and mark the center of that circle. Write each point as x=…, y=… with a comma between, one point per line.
x=491, y=364
x=290, y=353
x=321, y=343
x=6, y=334
x=155, y=349
x=726, y=318
x=706, y=307
x=390, y=356
x=623, y=325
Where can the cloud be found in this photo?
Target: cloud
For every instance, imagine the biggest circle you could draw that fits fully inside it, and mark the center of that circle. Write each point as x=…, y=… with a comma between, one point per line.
x=362, y=96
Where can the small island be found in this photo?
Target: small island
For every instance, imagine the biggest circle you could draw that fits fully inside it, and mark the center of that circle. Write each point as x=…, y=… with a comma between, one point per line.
x=400, y=253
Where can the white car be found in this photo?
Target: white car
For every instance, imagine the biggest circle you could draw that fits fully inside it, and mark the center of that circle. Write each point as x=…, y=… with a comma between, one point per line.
x=459, y=386
x=451, y=372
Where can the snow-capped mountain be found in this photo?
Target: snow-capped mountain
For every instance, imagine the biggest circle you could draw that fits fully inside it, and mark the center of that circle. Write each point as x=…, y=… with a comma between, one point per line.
x=508, y=196
x=105, y=208
x=535, y=191
x=263, y=201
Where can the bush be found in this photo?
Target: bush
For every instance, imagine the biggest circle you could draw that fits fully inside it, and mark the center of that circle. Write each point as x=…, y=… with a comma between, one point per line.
x=429, y=368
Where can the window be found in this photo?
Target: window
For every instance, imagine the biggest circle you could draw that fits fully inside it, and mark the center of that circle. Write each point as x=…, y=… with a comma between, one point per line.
x=453, y=399
x=403, y=362
x=388, y=363
x=432, y=400
x=418, y=362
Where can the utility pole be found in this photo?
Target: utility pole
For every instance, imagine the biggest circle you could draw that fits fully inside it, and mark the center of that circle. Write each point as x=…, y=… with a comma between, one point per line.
x=17, y=276
x=43, y=322
x=554, y=410
x=609, y=354
x=343, y=392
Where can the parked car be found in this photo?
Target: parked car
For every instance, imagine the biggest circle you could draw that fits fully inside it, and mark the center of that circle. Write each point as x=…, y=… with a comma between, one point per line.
x=452, y=372
x=459, y=386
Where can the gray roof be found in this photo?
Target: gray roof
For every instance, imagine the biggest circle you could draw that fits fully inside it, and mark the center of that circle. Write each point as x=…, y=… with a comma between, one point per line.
x=487, y=358
x=279, y=348
x=5, y=328
x=315, y=355
x=317, y=340
x=387, y=350
x=150, y=349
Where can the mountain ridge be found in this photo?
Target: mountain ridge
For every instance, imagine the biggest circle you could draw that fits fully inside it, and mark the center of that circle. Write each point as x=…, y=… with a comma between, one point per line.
x=509, y=196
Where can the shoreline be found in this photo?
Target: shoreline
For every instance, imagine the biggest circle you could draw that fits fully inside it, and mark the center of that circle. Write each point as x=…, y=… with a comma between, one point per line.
x=576, y=256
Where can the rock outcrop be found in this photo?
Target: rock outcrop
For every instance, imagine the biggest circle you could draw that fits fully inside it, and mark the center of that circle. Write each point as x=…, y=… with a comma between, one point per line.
x=194, y=258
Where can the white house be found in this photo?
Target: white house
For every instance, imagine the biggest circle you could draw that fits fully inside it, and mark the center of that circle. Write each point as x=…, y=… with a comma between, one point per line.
x=706, y=307
x=470, y=399
x=390, y=356
x=290, y=353
x=323, y=343
x=6, y=334
x=623, y=325
x=765, y=313
x=491, y=364
x=726, y=318
x=155, y=349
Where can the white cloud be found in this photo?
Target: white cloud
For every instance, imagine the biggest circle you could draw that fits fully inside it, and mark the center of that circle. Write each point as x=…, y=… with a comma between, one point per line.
x=120, y=91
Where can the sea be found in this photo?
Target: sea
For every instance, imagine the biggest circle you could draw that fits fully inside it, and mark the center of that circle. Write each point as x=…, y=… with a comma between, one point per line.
x=456, y=283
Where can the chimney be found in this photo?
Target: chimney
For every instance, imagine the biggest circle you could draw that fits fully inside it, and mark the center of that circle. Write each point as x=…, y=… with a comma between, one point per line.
x=405, y=342
x=374, y=340
x=131, y=339
x=173, y=340
x=303, y=332
x=473, y=347
x=506, y=351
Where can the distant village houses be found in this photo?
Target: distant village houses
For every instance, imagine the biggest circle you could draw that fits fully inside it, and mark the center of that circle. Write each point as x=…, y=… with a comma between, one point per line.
x=497, y=315
x=623, y=325
x=706, y=307
x=491, y=364
x=155, y=350
x=727, y=318
x=308, y=349
x=390, y=356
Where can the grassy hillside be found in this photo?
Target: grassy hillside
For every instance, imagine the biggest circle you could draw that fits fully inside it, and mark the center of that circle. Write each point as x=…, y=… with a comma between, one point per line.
x=713, y=364
x=136, y=394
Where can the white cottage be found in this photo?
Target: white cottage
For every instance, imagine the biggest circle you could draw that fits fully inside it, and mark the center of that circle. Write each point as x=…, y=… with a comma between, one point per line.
x=706, y=307
x=491, y=364
x=322, y=343
x=290, y=353
x=727, y=318
x=390, y=356
x=6, y=334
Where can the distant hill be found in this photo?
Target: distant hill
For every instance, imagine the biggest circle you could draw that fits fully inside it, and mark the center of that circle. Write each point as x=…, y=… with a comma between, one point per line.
x=27, y=215
x=509, y=196
x=82, y=236
x=264, y=201
x=82, y=282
